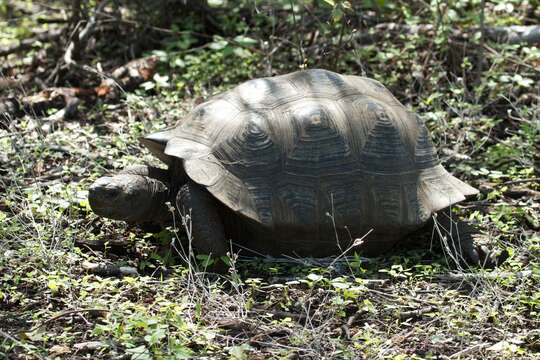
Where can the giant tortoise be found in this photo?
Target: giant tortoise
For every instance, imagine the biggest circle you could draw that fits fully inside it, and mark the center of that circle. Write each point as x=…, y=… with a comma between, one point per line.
x=303, y=163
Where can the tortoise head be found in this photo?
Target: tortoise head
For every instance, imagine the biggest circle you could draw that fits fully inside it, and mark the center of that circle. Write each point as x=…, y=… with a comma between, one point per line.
x=129, y=197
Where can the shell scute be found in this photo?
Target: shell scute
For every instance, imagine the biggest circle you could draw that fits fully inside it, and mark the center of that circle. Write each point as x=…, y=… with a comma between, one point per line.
x=320, y=144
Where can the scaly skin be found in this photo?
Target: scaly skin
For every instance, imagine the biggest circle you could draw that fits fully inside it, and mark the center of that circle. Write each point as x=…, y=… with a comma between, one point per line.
x=457, y=239
x=136, y=195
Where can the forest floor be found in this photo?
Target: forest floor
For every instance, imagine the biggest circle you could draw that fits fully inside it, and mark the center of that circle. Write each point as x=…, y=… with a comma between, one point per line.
x=74, y=285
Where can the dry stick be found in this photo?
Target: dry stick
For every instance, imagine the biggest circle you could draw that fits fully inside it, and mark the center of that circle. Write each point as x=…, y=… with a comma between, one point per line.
x=276, y=344
x=279, y=313
x=66, y=313
x=82, y=38
x=521, y=181
x=17, y=133
x=459, y=277
x=75, y=19
x=300, y=46
x=467, y=350
x=512, y=59
x=405, y=315
x=357, y=242
x=21, y=344
x=52, y=21
x=9, y=337
x=340, y=41
x=403, y=297
x=481, y=59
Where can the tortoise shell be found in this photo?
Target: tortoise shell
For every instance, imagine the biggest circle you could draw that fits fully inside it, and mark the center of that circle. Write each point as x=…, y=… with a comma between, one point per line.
x=313, y=150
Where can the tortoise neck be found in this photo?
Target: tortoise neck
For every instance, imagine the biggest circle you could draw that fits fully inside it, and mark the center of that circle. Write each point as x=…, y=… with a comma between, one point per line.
x=156, y=211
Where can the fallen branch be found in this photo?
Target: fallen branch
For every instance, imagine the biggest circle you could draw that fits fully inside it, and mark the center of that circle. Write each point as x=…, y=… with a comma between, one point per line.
x=515, y=34
x=127, y=77
x=124, y=78
x=56, y=97
x=235, y=324
x=115, y=246
x=67, y=112
x=26, y=44
x=67, y=99
x=99, y=312
x=88, y=346
x=460, y=277
x=10, y=82
x=9, y=109
x=502, y=34
x=375, y=283
x=522, y=181
x=460, y=353
x=279, y=314
x=19, y=343
x=415, y=314
x=52, y=20
x=108, y=270
x=517, y=193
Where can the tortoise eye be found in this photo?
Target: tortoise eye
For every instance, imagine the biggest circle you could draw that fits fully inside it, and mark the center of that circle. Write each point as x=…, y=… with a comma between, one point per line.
x=105, y=193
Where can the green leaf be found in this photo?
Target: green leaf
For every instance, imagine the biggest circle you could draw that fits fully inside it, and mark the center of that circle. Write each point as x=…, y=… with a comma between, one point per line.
x=239, y=352
x=155, y=336
x=139, y=353
x=148, y=85
x=226, y=260
x=241, y=52
x=161, y=81
x=314, y=277
x=178, y=62
x=245, y=41
x=215, y=3
x=204, y=260
x=340, y=285
x=218, y=43
x=53, y=285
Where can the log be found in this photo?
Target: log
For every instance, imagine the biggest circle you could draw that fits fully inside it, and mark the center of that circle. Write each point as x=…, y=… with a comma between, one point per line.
x=109, y=270
x=460, y=277
x=127, y=77
x=502, y=34
x=26, y=44
x=515, y=34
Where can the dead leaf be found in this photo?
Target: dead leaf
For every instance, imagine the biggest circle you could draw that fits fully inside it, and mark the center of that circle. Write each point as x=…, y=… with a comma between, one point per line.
x=57, y=350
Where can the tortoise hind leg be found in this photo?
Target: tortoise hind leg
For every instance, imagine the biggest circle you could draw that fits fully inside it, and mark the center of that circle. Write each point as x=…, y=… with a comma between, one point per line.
x=207, y=231
x=457, y=239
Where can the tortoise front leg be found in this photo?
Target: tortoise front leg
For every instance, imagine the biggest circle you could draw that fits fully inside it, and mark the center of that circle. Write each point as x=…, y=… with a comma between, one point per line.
x=207, y=230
